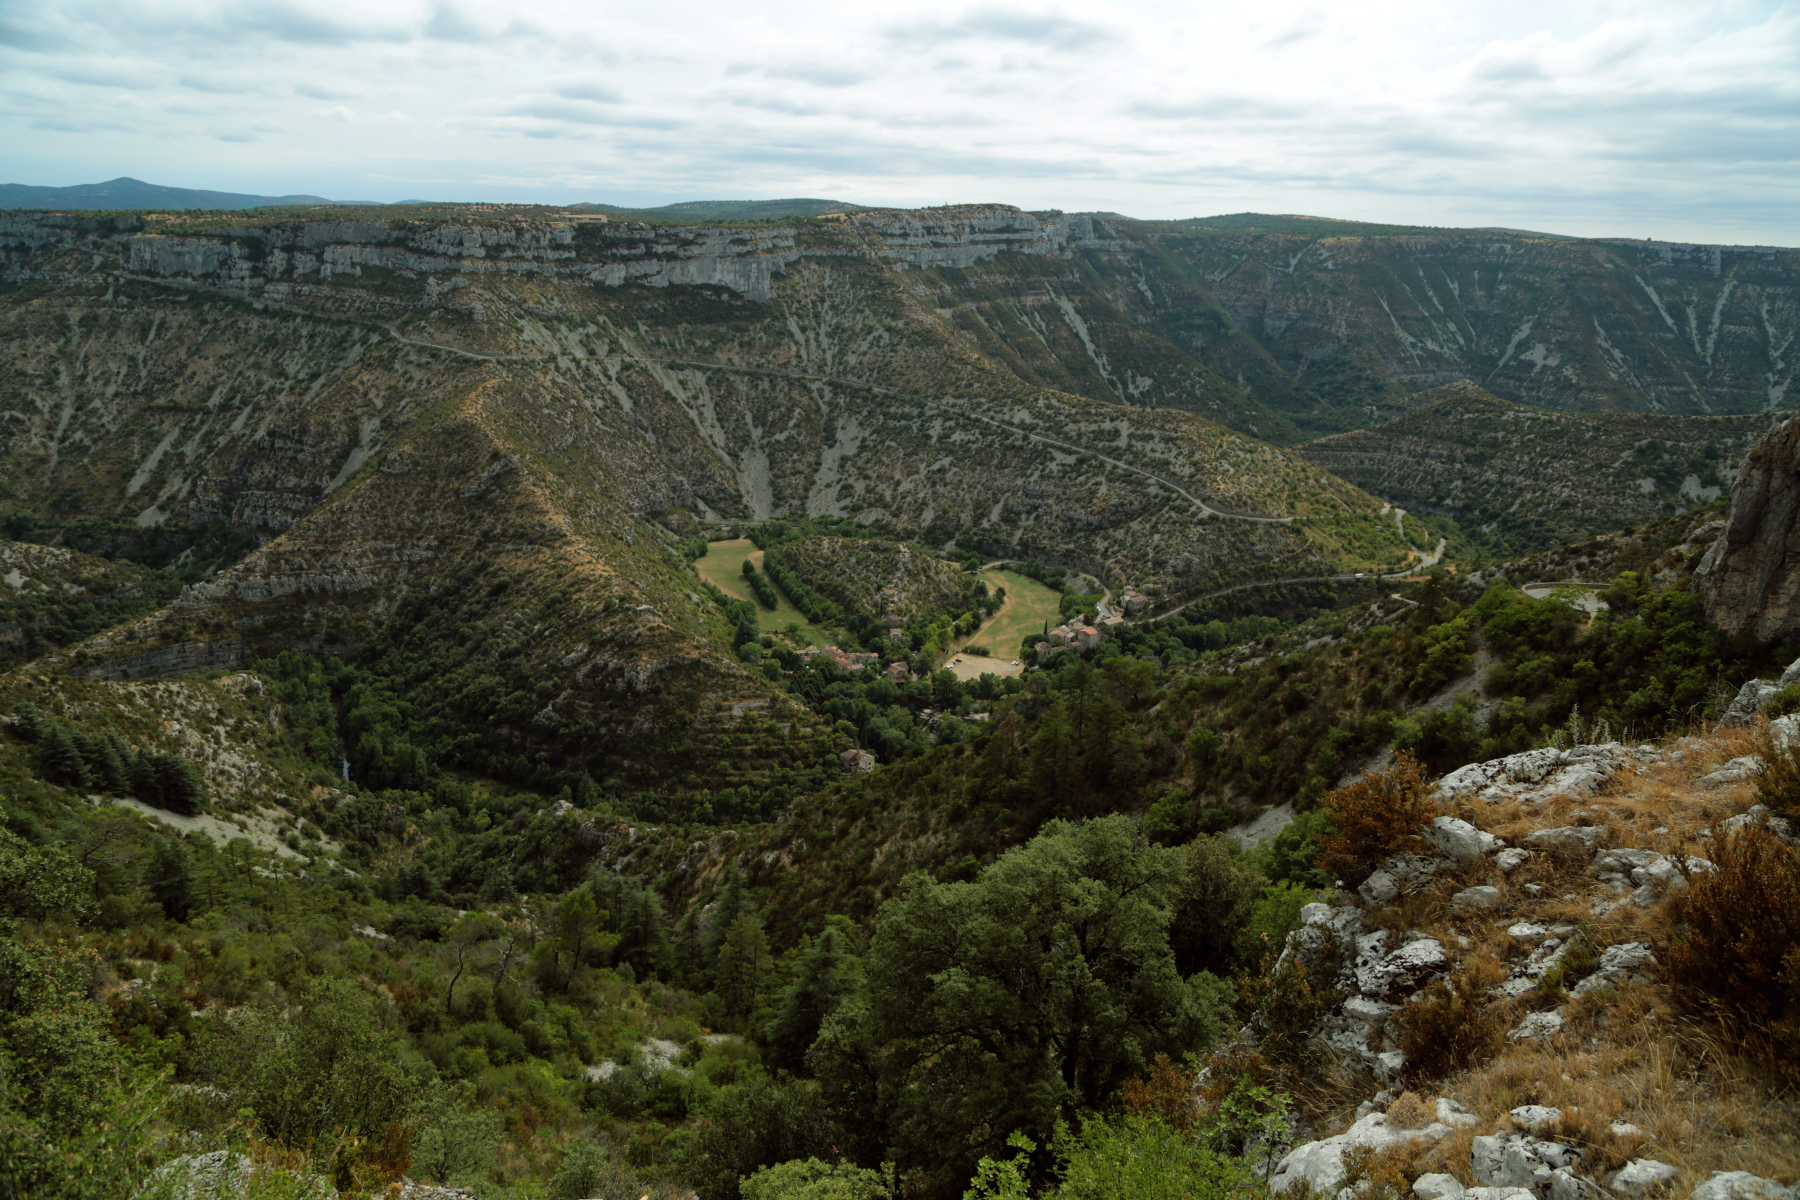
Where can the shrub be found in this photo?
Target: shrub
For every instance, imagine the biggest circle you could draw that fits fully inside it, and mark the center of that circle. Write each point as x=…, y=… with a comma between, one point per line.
x=815, y=1179
x=1778, y=784
x=1286, y=1001
x=1377, y=817
x=1735, y=952
x=1446, y=1032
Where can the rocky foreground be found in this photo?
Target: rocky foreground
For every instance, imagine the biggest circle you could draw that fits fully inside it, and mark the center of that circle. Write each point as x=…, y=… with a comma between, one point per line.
x=1541, y=904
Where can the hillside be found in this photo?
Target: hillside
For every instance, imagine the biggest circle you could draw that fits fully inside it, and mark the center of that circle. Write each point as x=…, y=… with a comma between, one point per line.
x=1534, y=477
x=476, y=456
x=1356, y=322
x=384, y=895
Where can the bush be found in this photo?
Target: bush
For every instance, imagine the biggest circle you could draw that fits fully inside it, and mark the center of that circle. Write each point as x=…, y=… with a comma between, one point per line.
x=1446, y=1032
x=814, y=1179
x=1778, y=785
x=1735, y=953
x=1375, y=818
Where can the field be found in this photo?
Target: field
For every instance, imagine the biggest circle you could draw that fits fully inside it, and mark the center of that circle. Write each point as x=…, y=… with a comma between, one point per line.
x=1029, y=605
x=723, y=567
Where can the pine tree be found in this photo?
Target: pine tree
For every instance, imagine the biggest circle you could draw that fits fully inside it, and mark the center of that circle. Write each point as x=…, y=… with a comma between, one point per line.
x=170, y=879
x=742, y=972
x=107, y=758
x=825, y=976
x=60, y=759
x=731, y=904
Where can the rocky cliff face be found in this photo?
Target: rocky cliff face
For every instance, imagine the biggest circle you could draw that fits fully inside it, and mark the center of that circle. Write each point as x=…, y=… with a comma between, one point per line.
x=1356, y=321
x=1751, y=577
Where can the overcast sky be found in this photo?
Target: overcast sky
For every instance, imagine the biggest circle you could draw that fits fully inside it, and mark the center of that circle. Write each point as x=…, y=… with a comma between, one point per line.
x=1648, y=119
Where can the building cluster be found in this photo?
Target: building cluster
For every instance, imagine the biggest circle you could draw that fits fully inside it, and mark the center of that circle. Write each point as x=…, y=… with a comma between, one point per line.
x=841, y=659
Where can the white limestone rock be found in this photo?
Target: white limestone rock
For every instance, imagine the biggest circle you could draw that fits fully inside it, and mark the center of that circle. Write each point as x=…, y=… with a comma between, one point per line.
x=1518, y=1160
x=1741, y=1185
x=1450, y=1113
x=1538, y=1026
x=1736, y=771
x=1535, y=1118
x=1748, y=702
x=1642, y=1176
x=1584, y=837
x=1628, y=962
x=1379, y=888
x=1321, y=1164
x=1437, y=1187
x=1511, y=859
x=1459, y=841
x=1478, y=897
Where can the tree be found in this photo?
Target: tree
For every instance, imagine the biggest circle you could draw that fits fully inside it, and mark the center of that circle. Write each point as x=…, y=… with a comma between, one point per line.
x=333, y=1064
x=576, y=930
x=726, y=910
x=741, y=975
x=169, y=878
x=824, y=978
x=1216, y=904
x=1376, y=817
x=468, y=942
x=1005, y=1003
x=42, y=883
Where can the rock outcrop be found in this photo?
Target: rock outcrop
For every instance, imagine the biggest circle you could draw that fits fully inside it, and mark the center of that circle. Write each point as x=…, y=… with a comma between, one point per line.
x=1750, y=578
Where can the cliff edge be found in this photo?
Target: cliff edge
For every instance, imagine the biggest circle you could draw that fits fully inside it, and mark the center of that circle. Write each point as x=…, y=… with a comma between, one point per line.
x=1750, y=578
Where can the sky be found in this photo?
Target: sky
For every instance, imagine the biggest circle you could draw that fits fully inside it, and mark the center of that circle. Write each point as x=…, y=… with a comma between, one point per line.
x=1675, y=121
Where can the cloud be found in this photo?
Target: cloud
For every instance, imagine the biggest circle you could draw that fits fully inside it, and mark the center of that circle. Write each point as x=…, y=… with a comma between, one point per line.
x=1405, y=110
x=1006, y=24
x=195, y=83
x=818, y=74
x=290, y=23
x=589, y=91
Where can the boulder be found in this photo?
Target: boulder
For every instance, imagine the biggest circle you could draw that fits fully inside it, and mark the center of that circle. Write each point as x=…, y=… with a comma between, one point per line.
x=1379, y=888
x=1581, y=837
x=1384, y=975
x=1535, y=1118
x=1478, y=897
x=1741, y=1185
x=1321, y=1164
x=1511, y=859
x=1538, y=1026
x=1628, y=962
x=1437, y=1187
x=1738, y=770
x=1459, y=841
x=1747, y=703
x=1518, y=1160
x=1529, y=973
x=1642, y=1176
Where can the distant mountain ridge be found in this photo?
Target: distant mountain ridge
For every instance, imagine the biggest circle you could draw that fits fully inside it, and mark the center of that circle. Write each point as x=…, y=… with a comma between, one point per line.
x=127, y=193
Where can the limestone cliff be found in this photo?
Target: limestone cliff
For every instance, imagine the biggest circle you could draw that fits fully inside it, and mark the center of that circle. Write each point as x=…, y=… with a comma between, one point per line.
x=1751, y=577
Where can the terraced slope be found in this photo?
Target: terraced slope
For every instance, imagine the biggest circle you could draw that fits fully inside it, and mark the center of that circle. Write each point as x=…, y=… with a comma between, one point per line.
x=1536, y=477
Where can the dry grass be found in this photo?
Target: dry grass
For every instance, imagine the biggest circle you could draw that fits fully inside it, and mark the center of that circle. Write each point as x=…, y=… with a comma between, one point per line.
x=1703, y=1099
